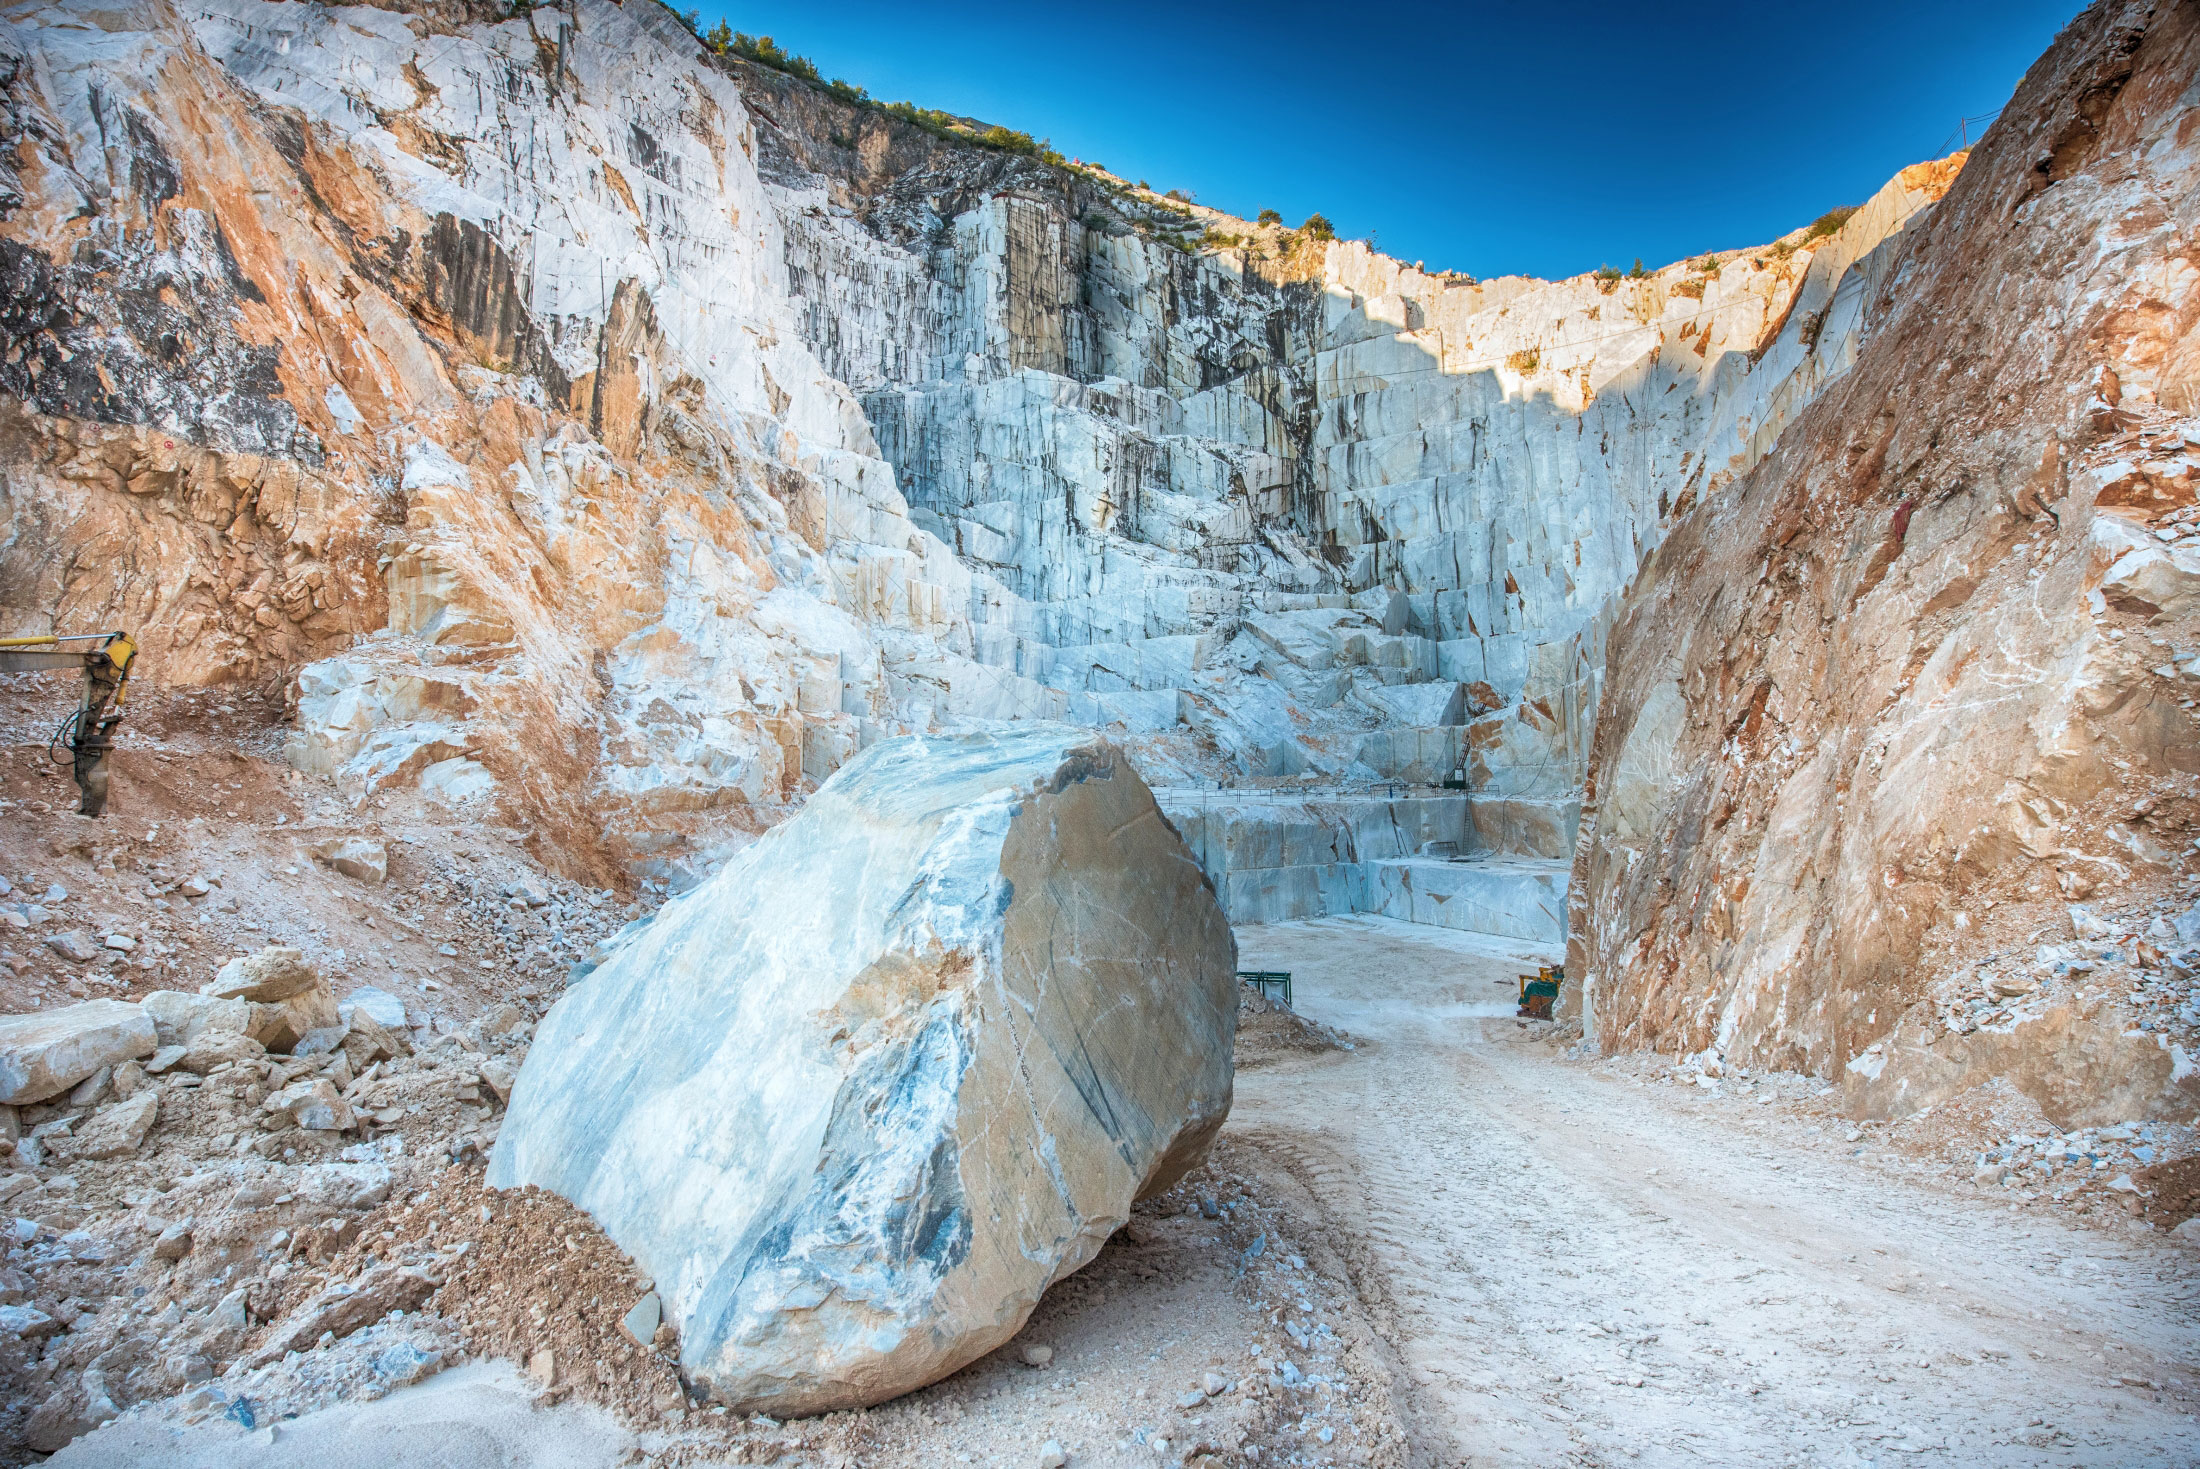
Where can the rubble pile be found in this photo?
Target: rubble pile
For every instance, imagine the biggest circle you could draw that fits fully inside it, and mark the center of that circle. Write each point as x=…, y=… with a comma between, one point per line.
x=2145, y=961
x=188, y=1177
x=244, y=1261
x=129, y=909
x=2063, y=1161
x=1269, y=1030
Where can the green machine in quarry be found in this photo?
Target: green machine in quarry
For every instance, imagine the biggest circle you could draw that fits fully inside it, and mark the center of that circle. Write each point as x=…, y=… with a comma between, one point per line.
x=1539, y=991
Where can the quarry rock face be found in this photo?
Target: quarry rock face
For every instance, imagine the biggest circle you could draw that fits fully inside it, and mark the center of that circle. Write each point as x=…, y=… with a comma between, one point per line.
x=2083, y=1068
x=858, y=1100
x=586, y=450
x=773, y=448
x=1830, y=590
x=1879, y=710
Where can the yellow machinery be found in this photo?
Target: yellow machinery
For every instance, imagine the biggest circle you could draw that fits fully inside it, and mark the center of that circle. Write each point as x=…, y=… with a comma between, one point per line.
x=1539, y=991
x=89, y=732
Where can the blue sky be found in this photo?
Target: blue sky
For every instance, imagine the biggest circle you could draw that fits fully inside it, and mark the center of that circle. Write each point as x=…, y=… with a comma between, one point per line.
x=1543, y=138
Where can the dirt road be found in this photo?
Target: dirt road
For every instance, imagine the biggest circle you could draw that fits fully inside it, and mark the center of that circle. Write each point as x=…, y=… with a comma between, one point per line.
x=1574, y=1265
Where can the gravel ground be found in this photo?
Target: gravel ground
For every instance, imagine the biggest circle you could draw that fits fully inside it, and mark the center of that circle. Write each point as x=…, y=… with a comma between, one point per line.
x=1431, y=1234
x=1580, y=1262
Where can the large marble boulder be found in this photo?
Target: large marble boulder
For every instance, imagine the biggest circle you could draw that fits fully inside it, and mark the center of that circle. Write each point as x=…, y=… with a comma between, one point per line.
x=44, y=1053
x=858, y=1100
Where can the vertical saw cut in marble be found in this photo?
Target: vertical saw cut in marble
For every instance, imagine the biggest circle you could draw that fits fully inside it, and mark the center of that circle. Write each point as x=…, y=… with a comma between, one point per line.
x=905, y=1062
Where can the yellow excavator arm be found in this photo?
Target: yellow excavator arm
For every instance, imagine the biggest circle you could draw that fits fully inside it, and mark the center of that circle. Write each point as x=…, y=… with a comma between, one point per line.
x=89, y=732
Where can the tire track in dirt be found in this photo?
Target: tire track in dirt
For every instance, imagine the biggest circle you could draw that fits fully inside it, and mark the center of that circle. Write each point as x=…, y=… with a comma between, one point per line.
x=1574, y=1270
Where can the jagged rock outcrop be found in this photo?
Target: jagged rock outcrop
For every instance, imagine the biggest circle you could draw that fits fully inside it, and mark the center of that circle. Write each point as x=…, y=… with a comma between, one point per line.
x=859, y=1099
x=1879, y=710
x=624, y=436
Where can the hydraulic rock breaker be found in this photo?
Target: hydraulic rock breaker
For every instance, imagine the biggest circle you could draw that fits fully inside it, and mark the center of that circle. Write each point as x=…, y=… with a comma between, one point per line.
x=89, y=730
x=1539, y=991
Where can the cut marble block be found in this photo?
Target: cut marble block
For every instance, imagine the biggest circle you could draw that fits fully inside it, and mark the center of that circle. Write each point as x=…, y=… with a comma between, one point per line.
x=1426, y=757
x=1291, y=856
x=1279, y=894
x=1522, y=898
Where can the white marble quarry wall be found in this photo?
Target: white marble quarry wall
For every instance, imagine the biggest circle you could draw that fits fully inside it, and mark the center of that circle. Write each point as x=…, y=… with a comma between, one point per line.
x=1507, y=468
x=710, y=429
x=1148, y=445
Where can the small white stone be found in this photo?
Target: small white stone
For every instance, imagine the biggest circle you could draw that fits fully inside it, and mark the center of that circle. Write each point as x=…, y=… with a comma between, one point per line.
x=640, y=1323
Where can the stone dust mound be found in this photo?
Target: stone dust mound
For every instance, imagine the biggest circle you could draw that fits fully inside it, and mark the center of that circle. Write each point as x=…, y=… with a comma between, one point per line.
x=1269, y=1032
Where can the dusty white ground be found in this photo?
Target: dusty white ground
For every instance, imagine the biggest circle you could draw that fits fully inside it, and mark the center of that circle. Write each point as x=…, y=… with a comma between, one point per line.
x=1472, y=1249
x=1575, y=1265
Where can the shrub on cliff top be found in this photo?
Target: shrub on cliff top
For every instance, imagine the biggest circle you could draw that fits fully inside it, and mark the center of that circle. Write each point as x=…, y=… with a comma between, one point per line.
x=1268, y=216
x=763, y=50
x=723, y=40
x=1318, y=227
x=1825, y=224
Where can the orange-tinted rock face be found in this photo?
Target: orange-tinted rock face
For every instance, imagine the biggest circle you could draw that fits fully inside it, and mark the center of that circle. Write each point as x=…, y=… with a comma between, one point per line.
x=557, y=365
x=280, y=396
x=1877, y=713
